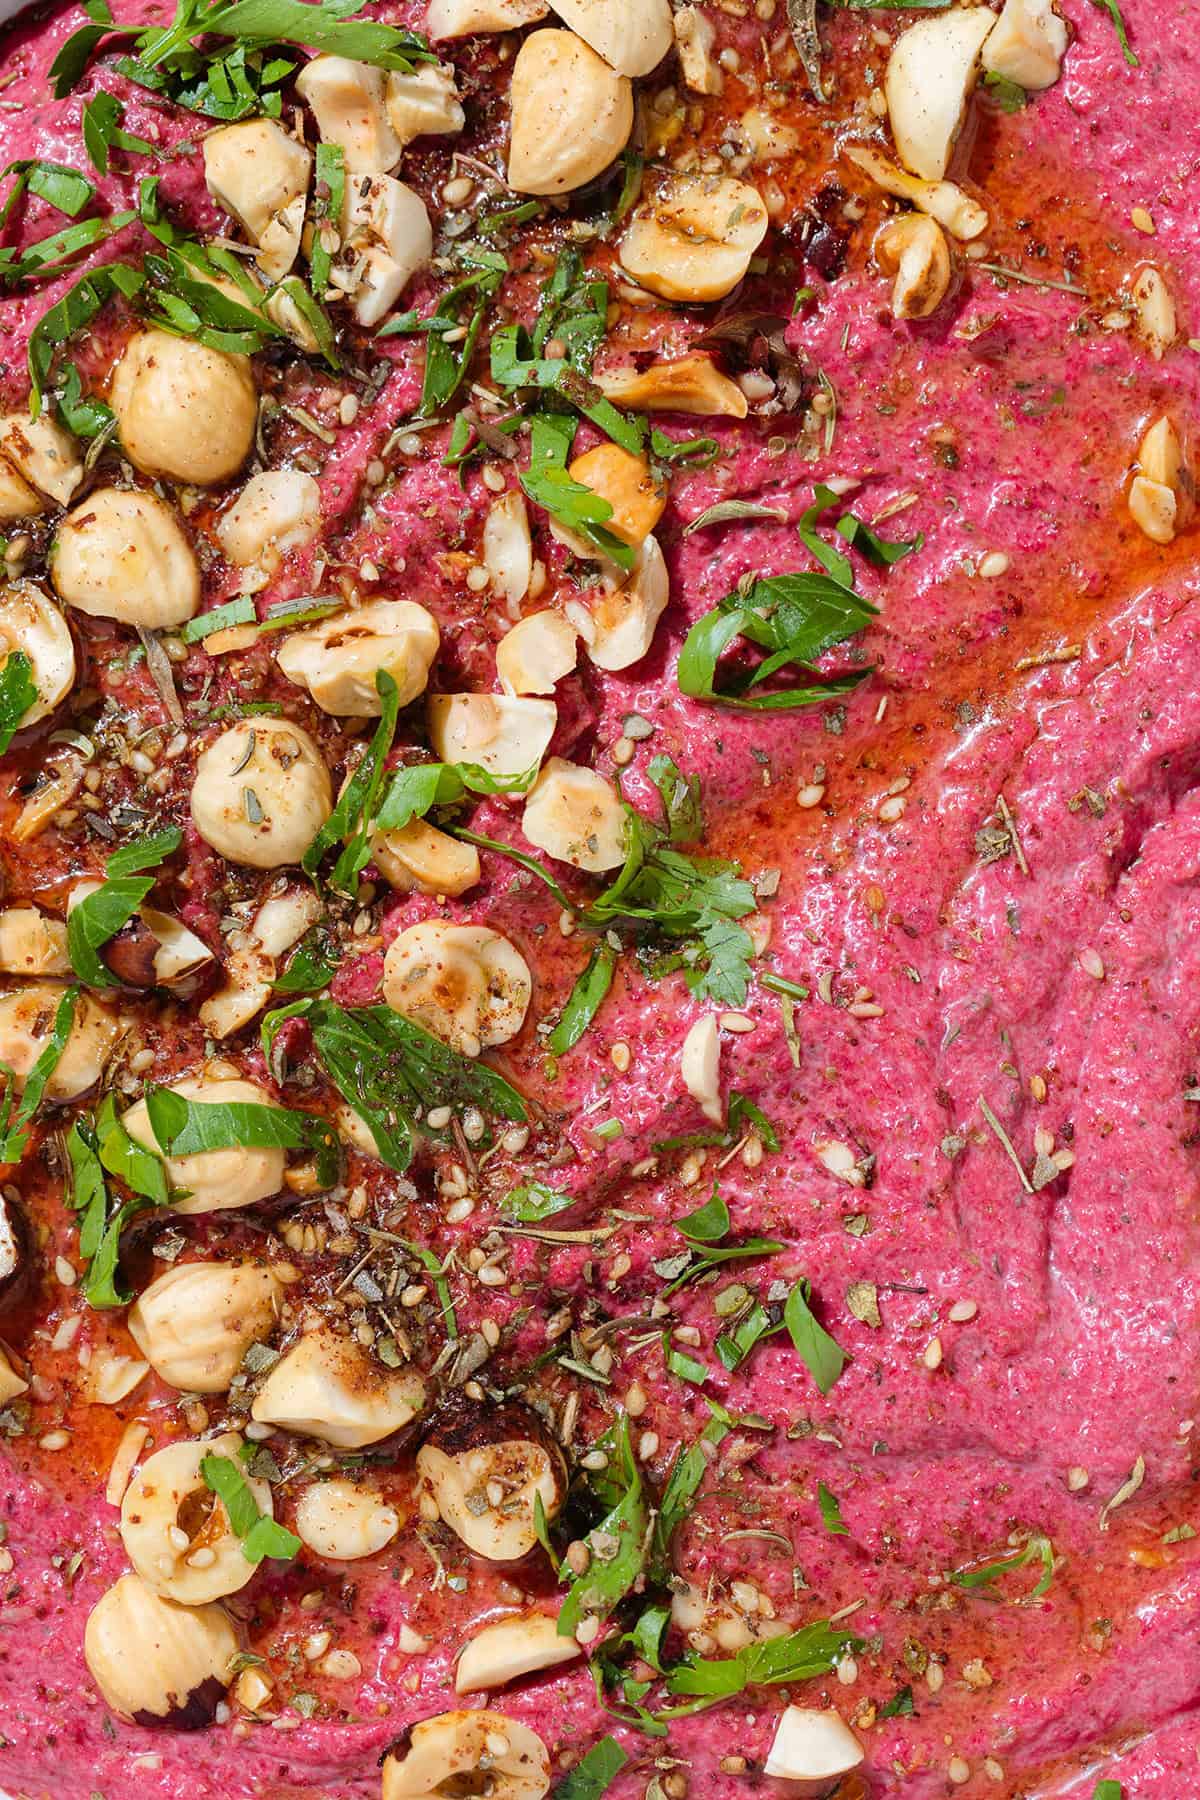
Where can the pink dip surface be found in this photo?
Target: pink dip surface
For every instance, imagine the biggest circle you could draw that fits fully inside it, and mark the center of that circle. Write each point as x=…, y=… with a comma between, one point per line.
x=1036, y=1339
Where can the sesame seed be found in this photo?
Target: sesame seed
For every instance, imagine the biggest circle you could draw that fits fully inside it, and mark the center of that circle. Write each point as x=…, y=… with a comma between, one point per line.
x=1092, y=963
x=993, y=565
x=962, y=1310
x=932, y=1357
x=1143, y=220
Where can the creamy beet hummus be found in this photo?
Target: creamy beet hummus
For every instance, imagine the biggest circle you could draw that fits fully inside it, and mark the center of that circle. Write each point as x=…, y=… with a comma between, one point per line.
x=598, y=924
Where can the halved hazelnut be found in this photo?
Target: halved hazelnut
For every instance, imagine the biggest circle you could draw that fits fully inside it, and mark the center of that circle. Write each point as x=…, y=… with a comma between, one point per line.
x=1027, y=44
x=511, y=1648
x=176, y=1531
x=690, y=384
x=501, y=733
x=575, y=815
x=931, y=74
x=467, y=1753
x=632, y=36
x=637, y=498
x=480, y=1468
x=693, y=238
x=535, y=655
x=327, y=1386
x=463, y=18
x=466, y=984
x=32, y=624
x=343, y=1521
x=16, y=1251
x=812, y=1748
x=963, y=217
x=618, y=623
x=195, y=1323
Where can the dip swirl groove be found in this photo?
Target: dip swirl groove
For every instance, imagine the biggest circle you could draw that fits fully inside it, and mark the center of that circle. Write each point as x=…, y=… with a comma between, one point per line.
x=818, y=1247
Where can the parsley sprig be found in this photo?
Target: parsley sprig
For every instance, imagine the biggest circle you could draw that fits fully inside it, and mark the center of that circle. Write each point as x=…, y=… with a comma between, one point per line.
x=214, y=56
x=793, y=618
x=681, y=911
x=391, y=1072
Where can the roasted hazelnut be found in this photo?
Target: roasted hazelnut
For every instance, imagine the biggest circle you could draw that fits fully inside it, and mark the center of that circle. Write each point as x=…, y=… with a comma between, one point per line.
x=482, y=1468
x=158, y=1663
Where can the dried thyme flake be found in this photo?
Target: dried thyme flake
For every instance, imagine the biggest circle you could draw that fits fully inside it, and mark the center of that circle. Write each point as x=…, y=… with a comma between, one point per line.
x=862, y=1298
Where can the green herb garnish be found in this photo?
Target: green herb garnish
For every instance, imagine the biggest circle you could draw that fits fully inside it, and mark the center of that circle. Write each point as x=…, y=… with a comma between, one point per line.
x=595, y=1774
x=14, y=1124
x=823, y=1357
x=1038, y=1549
x=18, y=692
x=99, y=916
x=391, y=1072
x=261, y=1535
x=102, y=132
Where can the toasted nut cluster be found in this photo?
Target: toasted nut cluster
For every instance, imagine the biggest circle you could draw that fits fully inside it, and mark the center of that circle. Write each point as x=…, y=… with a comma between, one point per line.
x=155, y=1662
x=184, y=411
x=196, y=1322
x=261, y=793
x=26, y=1020
x=480, y=1472
x=343, y=1521
x=466, y=984
x=123, y=554
x=214, y=1179
x=460, y=1752
x=30, y=622
x=176, y=1531
x=574, y=814
x=337, y=660
x=260, y=175
x=328, y=1387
